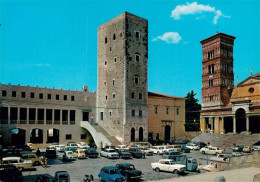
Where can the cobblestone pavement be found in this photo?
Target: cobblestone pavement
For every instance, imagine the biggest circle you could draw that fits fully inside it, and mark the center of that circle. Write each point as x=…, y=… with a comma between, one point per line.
x=77, y=169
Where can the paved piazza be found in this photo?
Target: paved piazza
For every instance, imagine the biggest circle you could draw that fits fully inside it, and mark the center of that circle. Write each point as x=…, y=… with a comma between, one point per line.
x=77, y=169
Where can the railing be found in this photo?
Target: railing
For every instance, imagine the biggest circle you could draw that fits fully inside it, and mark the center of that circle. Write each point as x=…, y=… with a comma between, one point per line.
x=31, y=121
x=13, y=121
x=56, y=122
x=4, y=121
x=72, y=122
x=48, y=121
x=23, y=121
x=65, y=122
x=40, y=121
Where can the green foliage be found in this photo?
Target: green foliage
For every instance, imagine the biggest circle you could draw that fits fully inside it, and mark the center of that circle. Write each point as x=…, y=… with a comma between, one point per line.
x=192, y=112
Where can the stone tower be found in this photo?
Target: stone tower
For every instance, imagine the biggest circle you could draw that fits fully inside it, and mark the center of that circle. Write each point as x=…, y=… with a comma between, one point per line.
x=217, y=76
x=122, y=77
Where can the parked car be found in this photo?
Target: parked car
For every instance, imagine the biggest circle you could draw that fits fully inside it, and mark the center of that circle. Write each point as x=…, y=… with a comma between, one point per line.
x=190, y=162
x=129, y=171
x=110, y=173
x=122, y=147
x=147, y=151
x=192, y=146
x=91, y=153
x=213, y=151
x=169, y=166
x=136, y=153
x=73, y=149
x=31, y=145
x=80, y=154
x=84, y=147
x=68, y=156
x=23, y=147
x=51, y=153
x=256, y=148
x=82, y=144
x=92, y=145
x=124, y=153
x=18, y=162
x=203, y=150
x=157, y=149
x=170, y=154
x=61, y=176
x=109, y=153
x=238, y=148
x=36, y=161
x=247, y=149
x=185, y=149
x=60, y=148
x=200, y=144
x=222, y=157
x=73, y=145
x=10, y=173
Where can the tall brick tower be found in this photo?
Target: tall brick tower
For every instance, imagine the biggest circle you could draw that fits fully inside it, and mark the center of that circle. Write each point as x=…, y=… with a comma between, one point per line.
x=217, y=76
x=122, y=77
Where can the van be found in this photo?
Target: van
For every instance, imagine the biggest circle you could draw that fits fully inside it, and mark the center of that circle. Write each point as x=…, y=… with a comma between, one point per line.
x=18, y=162
x=36, y=161
x=61, y=176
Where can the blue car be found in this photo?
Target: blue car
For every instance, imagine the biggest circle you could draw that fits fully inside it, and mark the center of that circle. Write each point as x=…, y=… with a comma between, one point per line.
x=110, y=173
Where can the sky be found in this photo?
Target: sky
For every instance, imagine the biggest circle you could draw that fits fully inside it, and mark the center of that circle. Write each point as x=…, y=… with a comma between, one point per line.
x=53, y=43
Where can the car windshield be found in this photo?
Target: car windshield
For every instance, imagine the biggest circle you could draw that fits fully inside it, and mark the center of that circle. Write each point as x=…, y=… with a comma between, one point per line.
x=130, y=167
x=69, y=153
x=114, y=171
x=111, y=150
x=73, y=144
x=194, y=161
x=172, y=163
x=92, y=149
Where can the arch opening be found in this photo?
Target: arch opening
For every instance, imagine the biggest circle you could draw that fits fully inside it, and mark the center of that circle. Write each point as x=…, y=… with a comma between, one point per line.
x=141, y=134
x=167, y=133
x=240, y=120
x=18, y=136
x=132, y=135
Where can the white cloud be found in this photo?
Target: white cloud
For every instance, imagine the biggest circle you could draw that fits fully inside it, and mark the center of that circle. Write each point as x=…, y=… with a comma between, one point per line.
x=169, y=37
x=195, y=8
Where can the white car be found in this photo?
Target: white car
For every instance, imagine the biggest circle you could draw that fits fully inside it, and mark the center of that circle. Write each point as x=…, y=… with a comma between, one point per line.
x=192, y=146
x=157, y=149
x=84, y=147
x=122, y=147
x=18, y=162
x=82, y=144
x=69, y=156
x=213, y=151
x=109, y=153
x=168, y=165
x=60, y=148
x=256, y=148
x=202, y=150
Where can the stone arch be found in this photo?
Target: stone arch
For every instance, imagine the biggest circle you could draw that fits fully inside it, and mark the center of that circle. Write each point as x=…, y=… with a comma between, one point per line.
x=36, y=135
x=167, y=133
x=240, y=120
x=141, y=134
x=18, y=136
x=53, y=135
x=133, y=135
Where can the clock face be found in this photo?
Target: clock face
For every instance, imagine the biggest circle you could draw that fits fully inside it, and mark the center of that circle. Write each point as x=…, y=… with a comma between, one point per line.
x=85, y=99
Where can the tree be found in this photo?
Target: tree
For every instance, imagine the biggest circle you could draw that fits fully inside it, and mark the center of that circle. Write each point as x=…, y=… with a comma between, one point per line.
x=192, y=112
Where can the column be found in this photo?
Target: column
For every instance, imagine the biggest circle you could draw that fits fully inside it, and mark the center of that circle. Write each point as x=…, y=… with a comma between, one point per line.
x=234, y=125
x=18, y=115
x=9, y=114
x=247, y=125
x=27, y=117
x=53, y=110
x=217, y=125
x=222, y=130
x=36, y=115
x=202, y=124
x=211, y=125
x=44, y=117
x=44, y=136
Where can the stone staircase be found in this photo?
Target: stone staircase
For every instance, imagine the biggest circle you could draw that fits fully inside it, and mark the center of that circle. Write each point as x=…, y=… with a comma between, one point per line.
x=100, y=136
x=227, y=140
x=112, y=139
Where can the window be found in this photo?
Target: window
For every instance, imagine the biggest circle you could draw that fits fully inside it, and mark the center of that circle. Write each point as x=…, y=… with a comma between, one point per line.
x=167, y=110
x=72, y=115
x=133, y=95
x=133, y=112
x=136, y=80
x=13, y=93
x=140, y=96
x=101, y=116
x=4, y=93
x=23, y=94
x=64, y=115
x=105, y=83
x=65, y=97
x=156, y=110
x=40, y=95
x=32, y=95
x=178, y=111
x=110, y=113
x=105, y=62
x=72, y=98
x=137, y=34
x=114, y=96
x=137, y=58
x=106, y=97
x=68, y=136
x=105, y=40
x=57, y=97
x=114, y=37
x=251, y=90
x=211, y=69
x=115, y=59
x=140, y=113
x=210, y=83
x=113, y=82
x=211, y=98
x=49, y=96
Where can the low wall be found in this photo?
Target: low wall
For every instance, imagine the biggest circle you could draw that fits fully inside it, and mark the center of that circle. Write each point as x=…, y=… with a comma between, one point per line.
x=192, y=134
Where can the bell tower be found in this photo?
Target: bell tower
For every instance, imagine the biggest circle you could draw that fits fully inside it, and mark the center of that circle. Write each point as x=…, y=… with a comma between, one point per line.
x=217, y=70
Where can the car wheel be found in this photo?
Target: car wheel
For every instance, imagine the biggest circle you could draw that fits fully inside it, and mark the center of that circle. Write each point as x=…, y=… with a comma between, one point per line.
x=20, y=168
x=175, y=171
x=203, y=152
x=157, y=169
x=37, y=163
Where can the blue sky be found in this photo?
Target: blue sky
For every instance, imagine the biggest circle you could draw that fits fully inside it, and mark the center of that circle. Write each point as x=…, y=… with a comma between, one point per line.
x=54, y=43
